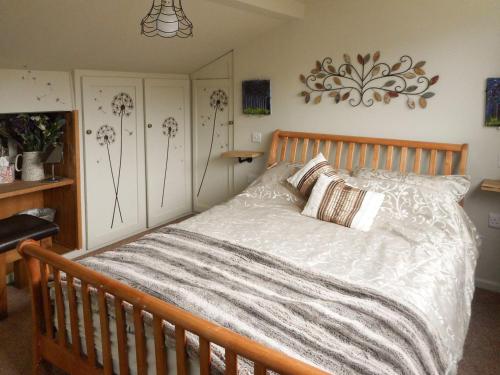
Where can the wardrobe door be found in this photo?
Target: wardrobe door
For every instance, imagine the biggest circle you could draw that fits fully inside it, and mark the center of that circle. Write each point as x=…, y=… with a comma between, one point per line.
x=113, y=125
x=168, y=150
x=212, y=135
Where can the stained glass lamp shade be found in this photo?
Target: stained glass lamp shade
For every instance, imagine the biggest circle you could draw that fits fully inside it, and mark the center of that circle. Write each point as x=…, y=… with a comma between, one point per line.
x=166, y=18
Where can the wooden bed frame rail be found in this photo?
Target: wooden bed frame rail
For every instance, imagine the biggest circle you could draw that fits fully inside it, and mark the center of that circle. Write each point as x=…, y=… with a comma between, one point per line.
x=53, y=345
x=351, y=152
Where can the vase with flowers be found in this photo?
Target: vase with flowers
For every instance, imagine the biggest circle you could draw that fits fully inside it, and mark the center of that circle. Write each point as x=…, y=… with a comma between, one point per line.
x=35, y=134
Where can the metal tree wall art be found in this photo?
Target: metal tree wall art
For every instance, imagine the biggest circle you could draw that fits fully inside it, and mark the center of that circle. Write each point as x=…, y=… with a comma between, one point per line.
x=106, y=136
x=218, y=101
x=368, y=81
x=170, y=128
x=121, y=106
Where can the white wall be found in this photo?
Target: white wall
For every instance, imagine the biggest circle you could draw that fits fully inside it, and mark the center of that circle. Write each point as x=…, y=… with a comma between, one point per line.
x=35, y=91
x=459, y=39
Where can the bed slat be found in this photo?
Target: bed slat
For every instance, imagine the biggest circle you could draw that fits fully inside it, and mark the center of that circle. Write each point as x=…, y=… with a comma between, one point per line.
x=140, y=342
x=338, y=154
x=73, y=316
x=160, y=349
x=350, y=155
x=362, y=155
x=389, y=157
x=88, y=323
x=204, y=357
x=463, y=159
x=231, y=362
x=47, y=306
x=305, y=145
x=376, y=156
x=180, y=350
x=448, y=163
x=403, y=159
x=284, y=145
x=121, y=336
x=316, y=147
x=61, y=321
x=418, y=161
x=105, y=335
x=432, y=163
x=293, y=151
x=326, y=149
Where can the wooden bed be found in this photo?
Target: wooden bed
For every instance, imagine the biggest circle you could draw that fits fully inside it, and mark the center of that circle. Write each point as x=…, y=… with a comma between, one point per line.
x=51, y=346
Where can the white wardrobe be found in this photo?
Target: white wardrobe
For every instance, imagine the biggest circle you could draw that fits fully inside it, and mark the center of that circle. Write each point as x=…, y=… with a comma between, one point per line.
x=137, y=154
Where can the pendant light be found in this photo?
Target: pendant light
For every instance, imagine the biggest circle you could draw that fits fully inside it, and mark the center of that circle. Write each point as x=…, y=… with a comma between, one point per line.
x=166, y=18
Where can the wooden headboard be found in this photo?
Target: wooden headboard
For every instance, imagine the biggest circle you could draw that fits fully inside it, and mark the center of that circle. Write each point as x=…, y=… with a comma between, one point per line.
x=377, y=153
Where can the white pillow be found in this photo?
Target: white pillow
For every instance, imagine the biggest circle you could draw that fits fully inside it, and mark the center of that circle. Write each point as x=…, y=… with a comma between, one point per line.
x=456, y=185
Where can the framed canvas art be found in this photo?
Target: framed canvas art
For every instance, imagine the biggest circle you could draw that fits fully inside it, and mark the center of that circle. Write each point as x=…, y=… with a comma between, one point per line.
x=256, y=97
x=493, y=102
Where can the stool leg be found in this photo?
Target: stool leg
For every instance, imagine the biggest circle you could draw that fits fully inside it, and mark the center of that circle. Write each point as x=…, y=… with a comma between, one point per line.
x=20, y=275
x=3, y=287
x=46, y=243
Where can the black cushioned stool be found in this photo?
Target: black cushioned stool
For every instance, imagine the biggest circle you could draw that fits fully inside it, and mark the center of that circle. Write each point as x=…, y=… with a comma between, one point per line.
x=13, y=230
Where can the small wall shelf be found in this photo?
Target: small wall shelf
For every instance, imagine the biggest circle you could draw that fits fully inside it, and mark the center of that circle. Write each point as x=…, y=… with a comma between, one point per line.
x=491, y=185
x=242, y=156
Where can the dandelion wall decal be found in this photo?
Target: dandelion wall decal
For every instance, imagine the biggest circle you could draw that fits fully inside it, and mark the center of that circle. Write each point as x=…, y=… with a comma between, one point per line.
x=170, y=128
x=122, y=105
x=105, y=136
x=218, y=101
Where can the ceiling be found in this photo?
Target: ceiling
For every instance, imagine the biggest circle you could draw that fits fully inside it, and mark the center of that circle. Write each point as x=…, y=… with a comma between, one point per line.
x=105, y=35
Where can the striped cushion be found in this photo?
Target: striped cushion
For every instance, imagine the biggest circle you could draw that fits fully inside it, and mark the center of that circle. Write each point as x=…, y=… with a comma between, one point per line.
x=306, y=177
x=335, y=201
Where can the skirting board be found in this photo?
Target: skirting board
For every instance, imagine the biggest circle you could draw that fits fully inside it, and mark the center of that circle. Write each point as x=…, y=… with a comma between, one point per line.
x=488, y=285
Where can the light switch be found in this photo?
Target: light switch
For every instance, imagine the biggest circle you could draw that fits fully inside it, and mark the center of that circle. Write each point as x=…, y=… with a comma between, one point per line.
x=493, y=220
x=256, y=137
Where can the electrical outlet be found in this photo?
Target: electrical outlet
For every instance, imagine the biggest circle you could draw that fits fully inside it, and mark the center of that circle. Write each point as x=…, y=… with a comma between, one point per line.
x=494, y=220
x=256, y=137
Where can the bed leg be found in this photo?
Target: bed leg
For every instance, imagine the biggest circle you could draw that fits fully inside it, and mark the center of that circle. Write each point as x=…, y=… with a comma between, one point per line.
x=38, y=365
x=32, y=266
x=42, y=368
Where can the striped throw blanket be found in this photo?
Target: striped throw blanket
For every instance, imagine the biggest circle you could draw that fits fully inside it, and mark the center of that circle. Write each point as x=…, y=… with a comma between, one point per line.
x=338, y=327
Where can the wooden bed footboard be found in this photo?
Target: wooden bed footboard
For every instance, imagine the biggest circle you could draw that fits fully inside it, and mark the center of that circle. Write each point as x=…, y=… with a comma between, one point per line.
x=52, y=345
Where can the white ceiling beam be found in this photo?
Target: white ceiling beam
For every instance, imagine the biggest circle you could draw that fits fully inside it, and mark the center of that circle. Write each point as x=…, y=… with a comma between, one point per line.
x=294, y=9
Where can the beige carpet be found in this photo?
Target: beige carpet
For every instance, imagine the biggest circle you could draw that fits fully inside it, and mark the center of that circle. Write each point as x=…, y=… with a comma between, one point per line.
x=482, y=348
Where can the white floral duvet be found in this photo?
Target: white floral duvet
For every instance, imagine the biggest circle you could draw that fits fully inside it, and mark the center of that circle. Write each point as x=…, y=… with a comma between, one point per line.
x=421, y=250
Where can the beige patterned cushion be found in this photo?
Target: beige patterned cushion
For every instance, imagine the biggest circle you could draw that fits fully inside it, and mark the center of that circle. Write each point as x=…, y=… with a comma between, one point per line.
x=335, y=201
x=306, y=177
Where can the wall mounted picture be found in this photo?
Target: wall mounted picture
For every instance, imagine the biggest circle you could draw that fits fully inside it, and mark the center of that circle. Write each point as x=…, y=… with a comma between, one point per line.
x=493, y=102
x=367, y=80
x=256, y=97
